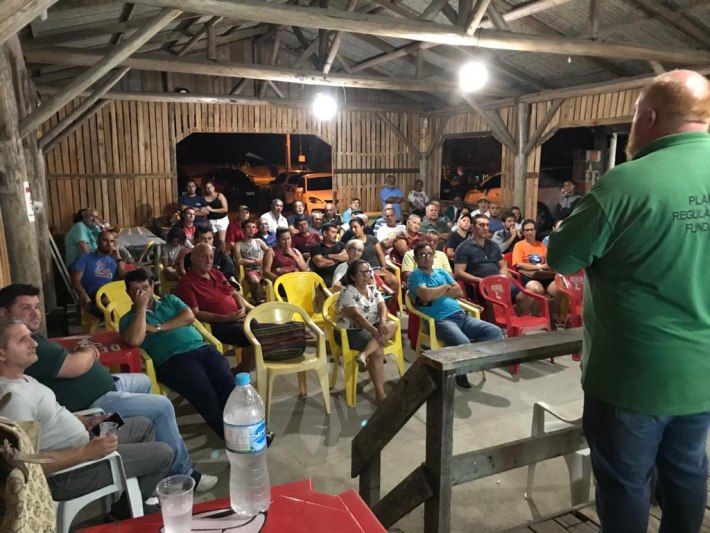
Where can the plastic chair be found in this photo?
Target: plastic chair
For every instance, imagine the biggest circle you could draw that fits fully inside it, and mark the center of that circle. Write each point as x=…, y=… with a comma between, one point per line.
x=67, y=510
x=496, y=290
x=268, y=289
x=579, y=463
x=572, y=286
x=427, y=327
x=266, y=371
x=300, y=289
x=393, y=347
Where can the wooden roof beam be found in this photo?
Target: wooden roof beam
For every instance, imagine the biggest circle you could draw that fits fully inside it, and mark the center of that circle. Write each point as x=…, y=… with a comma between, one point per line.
x=203, y=31
x=78, y=57
x=337, y=39
x=16, y=14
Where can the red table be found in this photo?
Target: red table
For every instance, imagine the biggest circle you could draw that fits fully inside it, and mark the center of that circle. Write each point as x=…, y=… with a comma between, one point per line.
x=295, y=507
x=113, y=351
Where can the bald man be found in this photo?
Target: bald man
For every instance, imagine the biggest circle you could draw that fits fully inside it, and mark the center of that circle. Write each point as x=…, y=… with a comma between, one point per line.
x=643, y=236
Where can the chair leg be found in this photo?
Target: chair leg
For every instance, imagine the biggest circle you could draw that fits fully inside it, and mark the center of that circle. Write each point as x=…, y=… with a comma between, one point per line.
x=269, y=390
x=323, y=378
x=350, y=383
x=135, y=499
x=65, y=515
x=336, y=368
x=302, y=384
x=579, y=465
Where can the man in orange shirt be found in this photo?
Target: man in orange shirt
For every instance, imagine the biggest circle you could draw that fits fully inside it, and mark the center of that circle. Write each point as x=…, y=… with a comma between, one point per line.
x=529, y=257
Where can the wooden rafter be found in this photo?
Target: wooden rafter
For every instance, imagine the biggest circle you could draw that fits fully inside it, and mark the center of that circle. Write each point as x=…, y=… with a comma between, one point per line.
x=476, y=17
x=16, y=14
x=492, y=118
x=433, y=9
x=211, y=23
x=98, y=69
x=497, y=18
x=399, y=134
x=537, y=134
x=337, y=39
x=273, y=54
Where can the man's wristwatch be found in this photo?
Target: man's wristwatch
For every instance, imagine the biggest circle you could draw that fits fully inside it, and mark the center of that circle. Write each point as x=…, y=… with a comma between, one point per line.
x=158, y=327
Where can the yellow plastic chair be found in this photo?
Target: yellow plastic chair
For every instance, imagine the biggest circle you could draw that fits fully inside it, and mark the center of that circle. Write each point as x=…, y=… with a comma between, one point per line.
x=115, y=290
x=266, y=371
x=427, y=327
x=114, y=311
x=393, y=347
x=269, y=285
x=166, y=285
x=300, y=289
x=89, y=322
x=143, y=258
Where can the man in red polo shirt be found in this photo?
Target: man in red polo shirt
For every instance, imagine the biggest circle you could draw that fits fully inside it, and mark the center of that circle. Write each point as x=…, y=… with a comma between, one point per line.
x=213, y=300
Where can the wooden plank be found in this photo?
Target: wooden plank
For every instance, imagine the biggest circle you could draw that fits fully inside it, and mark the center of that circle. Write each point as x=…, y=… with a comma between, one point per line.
x=584, y=527
x=568, y=520
x=409, y=494
x=548, y=526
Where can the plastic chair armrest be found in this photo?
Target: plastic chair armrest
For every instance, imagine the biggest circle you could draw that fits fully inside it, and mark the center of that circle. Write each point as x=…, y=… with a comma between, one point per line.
x=543, y=406
x=93, y=411
x=471, y=308
x=108, y=457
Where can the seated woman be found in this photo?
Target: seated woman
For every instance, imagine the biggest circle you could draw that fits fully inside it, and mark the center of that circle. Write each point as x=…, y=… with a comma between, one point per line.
x=530, y=257
x=282, y=258
x=173, y=253
x=362, y=311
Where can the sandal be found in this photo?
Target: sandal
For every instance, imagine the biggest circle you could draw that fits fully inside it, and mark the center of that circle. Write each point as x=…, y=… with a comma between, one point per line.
x=361, y=361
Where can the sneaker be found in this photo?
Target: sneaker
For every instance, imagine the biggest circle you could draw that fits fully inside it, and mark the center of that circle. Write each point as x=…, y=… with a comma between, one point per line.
x=462, y=382
x=205, y=482
x=361, y=361
x=269, y=438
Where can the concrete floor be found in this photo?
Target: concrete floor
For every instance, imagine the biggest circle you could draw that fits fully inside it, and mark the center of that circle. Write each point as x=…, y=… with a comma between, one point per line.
x=310, y=444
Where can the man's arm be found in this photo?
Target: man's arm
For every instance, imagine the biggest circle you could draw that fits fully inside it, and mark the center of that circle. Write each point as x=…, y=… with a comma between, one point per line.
x=96, y=448
x=78, y=362
x=583, y=237
x=461, y=274
x=76, y=277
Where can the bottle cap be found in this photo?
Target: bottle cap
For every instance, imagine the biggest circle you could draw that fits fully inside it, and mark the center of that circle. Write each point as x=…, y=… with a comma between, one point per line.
x=243, y=378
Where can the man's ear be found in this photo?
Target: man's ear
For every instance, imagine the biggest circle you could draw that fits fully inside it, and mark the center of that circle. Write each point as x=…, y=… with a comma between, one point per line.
x=4, y=313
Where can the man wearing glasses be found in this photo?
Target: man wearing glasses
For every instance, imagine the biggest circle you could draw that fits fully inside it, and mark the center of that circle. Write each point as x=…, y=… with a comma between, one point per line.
x=435, y=294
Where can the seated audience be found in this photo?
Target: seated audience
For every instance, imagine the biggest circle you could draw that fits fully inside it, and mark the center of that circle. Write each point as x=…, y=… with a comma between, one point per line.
x=83, y=236
x=381, y=220
x=407, y=240
x=440, y=259
x=432, y=220
x=299, y=212
x=191, y=199
x=330, y=216
x=417, y=199
x=274, y=217
x=249, y=253
x=373, y=253
x=464, y=211
x=65, y=438
x=509, y=235
x=453, y=212
x=304, y=239
x=163, y=328
x=354, y=206
x=172, y=256
x=354, y=250
x=316, y=222
x=80, y=382
x=187, y=223
x=235, y=230
x=518, y=216
x=496, y=224
x=348, y=234
x=529, y=257
x=388, y=232
x=434, y=292
x=222, y=261
x=92, y=271
x=265, y=234
x=283, y=258
x=328, y=254
x=362, y=311
x=457, y=236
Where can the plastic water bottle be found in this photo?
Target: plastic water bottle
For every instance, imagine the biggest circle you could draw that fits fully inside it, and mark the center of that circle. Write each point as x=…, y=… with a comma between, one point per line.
x=245, y=437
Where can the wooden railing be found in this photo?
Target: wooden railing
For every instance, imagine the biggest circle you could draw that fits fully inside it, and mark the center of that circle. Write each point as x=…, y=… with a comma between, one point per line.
x=431, y=379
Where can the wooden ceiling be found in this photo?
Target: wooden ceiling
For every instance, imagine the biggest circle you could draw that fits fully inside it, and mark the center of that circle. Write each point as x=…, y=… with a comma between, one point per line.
x=411, y=49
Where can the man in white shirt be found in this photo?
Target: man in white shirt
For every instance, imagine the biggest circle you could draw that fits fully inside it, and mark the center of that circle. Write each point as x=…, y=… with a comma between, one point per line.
x=387, y=232
x=274, y=217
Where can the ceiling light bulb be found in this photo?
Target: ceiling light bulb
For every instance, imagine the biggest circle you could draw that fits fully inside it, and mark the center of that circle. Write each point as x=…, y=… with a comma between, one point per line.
x=472, y=76
x=324, y=106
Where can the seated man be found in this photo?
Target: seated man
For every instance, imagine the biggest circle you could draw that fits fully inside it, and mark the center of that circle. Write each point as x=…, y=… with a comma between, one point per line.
x=479, y=257
x=92, y=271
x=163, y=328
x=316, y=222
x=484, y=205
x=187, y=224
x=327, y=255
x=235, y=230
x=388, y=232
x=406, y=241
x=265, y=234
x=213, y=300
x=440, y=260
x=299, y=211
x=381, y=220
x=330, y=216
x=509, y=235
x=222, y=261
x=249, y=253
x=274, y=216
x=432, y=220
x=434, y=293
x=80, y=382
x=64, y=437
x=354, y=206
x=304, y=239
x=457, y=236
x=82, y=238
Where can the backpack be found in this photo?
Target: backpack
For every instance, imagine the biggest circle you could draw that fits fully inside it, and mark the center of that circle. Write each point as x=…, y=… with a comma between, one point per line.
x=26, y=504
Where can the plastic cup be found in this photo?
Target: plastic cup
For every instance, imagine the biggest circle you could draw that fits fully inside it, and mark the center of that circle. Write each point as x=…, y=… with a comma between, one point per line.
x=175, y=494
x=108, y=428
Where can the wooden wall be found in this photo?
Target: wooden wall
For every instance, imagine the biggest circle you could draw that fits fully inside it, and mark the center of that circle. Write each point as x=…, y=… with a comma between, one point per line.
x=122, y=160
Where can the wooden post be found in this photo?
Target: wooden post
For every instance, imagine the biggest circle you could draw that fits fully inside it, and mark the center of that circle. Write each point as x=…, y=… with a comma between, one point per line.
x=521, y=160
x=20, y=227
x=288, y=152
x=611, y=156
x=439, y=453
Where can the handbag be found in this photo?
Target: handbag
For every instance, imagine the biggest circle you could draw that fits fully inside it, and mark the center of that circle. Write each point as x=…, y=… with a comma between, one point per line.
x=280, y=342
x=26, y=504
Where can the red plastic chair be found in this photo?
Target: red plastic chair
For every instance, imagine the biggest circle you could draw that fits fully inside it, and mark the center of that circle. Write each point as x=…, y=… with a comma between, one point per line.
x=496, y=290
x=572, y=286
x=508, y=258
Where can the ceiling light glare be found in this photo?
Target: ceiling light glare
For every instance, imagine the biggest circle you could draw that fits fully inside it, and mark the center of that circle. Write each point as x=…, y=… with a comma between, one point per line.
x=324, y=107
x=472, y=77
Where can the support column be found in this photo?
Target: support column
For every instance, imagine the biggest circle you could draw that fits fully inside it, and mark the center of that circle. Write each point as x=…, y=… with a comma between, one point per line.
x=521, y=159
x=611, y=155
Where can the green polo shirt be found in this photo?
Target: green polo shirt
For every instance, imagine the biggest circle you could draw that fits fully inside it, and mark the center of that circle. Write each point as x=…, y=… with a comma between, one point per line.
x=166, y=344
x=643, y=235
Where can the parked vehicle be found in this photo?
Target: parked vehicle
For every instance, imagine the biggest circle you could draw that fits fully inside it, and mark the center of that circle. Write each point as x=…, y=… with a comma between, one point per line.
x=314, y=189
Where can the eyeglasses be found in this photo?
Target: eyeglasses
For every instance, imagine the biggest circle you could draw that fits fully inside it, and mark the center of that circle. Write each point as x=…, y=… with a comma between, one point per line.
x=425, y=254
x=367, y=272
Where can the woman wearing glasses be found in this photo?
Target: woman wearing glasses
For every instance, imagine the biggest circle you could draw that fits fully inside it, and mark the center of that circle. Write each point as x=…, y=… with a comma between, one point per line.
x=362, y=311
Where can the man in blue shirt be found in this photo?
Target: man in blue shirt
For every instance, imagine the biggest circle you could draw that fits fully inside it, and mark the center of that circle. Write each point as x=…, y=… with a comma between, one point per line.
x=92, y=271
x=391, y=194
x=190, y=198
x=435, y=294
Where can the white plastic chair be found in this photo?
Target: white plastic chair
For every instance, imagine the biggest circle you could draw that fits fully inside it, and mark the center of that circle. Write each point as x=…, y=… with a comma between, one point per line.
x=579, y=463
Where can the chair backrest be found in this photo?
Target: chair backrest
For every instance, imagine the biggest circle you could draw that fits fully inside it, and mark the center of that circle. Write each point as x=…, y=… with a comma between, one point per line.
x=496, y=289
x=276, y=313
x=329, y=308
x=508, y=258
x=112, y=291
x=300, y=289
x=572, y=286
x=114, y=311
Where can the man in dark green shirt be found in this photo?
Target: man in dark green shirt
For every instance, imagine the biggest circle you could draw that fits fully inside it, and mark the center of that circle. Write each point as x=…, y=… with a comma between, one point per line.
x=643, y=236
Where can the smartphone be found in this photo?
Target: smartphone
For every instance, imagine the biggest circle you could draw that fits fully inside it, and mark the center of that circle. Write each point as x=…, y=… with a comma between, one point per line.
x=115, y=417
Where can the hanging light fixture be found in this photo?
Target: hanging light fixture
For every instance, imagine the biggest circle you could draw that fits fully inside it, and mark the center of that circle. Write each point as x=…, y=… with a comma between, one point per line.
x=472, y=76
x=324, y=106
